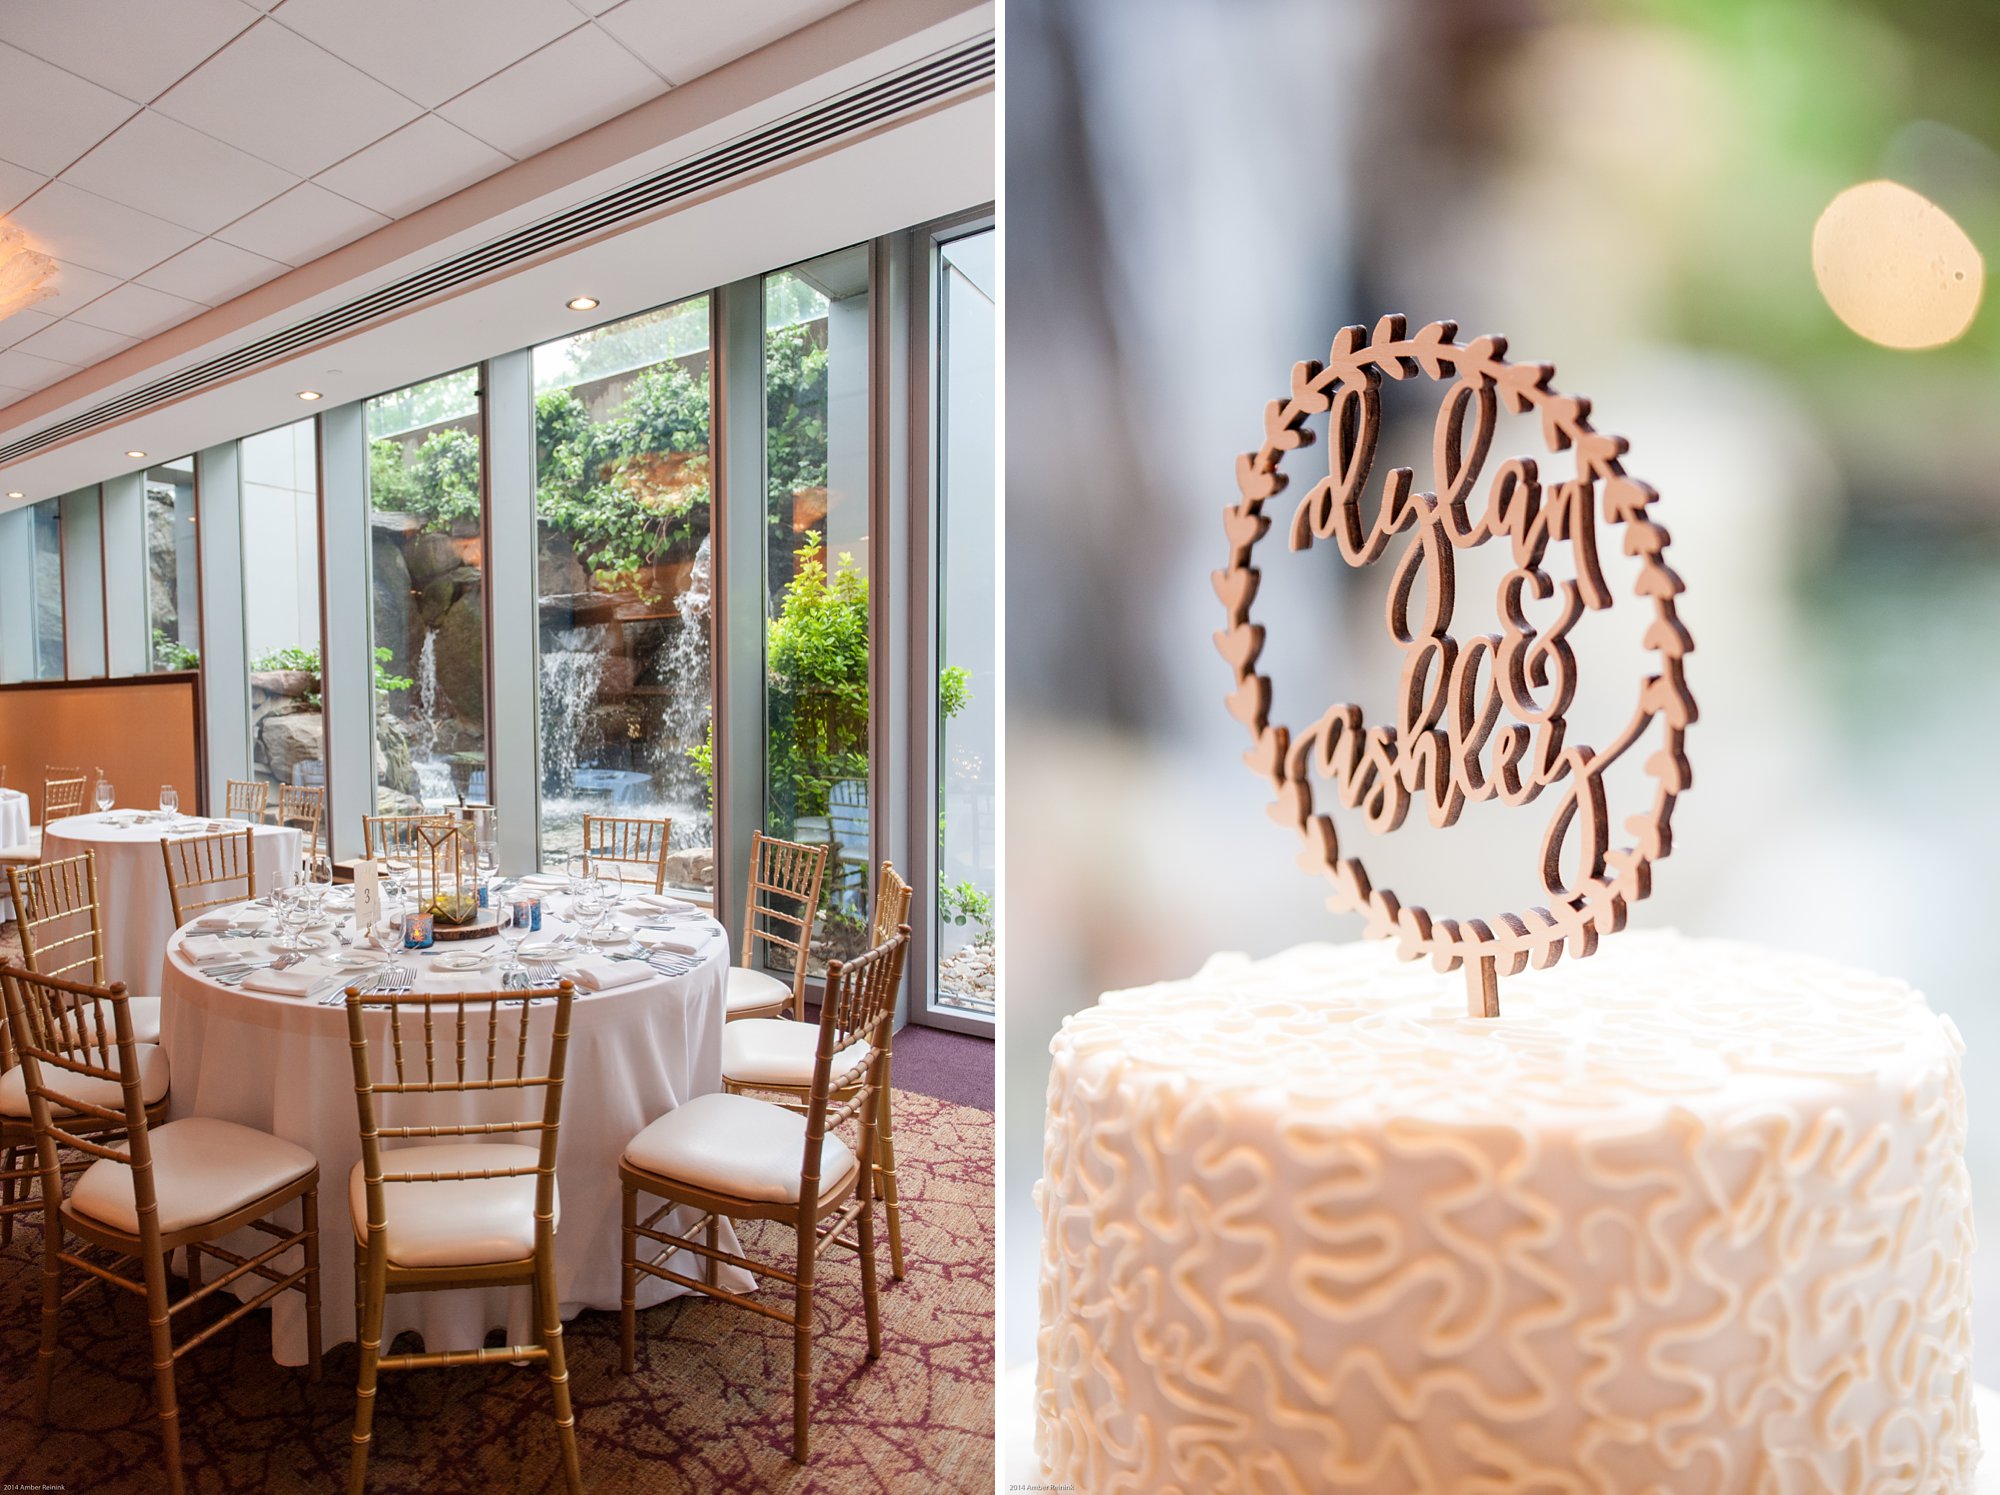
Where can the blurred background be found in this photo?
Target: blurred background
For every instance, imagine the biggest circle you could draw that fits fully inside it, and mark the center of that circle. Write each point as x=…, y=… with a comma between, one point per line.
x=1200, y=194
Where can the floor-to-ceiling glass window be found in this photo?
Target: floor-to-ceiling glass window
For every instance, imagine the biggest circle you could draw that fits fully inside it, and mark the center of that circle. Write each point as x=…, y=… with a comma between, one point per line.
x=173, y=602
x=48, y=584
x=280, y=476
x=816, y=638
x=622, y=427
x=967, y=700
x=429, y=598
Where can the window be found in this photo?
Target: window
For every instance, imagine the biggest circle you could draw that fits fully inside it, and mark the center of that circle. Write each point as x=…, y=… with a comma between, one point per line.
x=967, y=690
x=173, y=606
x=816, y=643
x=622, y=419
x=280, y=477
x=48, y=587
x=428, y=606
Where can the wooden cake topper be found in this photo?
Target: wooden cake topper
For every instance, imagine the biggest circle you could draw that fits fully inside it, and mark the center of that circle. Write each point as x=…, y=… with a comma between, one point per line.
x=1449, y=745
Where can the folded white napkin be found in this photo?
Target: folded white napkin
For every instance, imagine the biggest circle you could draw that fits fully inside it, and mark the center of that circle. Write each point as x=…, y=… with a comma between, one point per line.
x=594, y=973
x=207, y=949
x=661, y=939
x=214, y=921
x=664, y=901
x=281, y=983
x=544, y=880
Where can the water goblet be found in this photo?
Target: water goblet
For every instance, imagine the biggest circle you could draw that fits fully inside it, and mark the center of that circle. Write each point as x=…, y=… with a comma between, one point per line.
x=170, y=799
x=514, y=931
x=106, y=796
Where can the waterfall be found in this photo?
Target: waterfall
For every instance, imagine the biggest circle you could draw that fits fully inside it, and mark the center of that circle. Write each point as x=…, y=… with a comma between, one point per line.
x=571, y=668
x=684, y=715
x=423, y=740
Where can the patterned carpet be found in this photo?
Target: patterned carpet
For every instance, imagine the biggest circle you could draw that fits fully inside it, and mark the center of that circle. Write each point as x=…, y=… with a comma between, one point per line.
x=709, y=1410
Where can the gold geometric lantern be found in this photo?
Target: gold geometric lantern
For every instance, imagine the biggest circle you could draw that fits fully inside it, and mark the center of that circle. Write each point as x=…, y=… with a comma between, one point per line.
x=446, y=873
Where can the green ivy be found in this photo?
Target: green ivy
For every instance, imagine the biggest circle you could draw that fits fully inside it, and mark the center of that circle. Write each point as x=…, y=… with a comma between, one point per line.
x=966, y=904
x=816, y=660
x=954, y=690
x=307, y=661
x=171, y=654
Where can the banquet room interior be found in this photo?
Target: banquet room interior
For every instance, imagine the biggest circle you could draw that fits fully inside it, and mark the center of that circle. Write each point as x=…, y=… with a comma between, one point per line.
x=498, y=745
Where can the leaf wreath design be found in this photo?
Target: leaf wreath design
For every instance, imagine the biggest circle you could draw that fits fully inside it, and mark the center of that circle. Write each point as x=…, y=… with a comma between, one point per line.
x=1481, y=719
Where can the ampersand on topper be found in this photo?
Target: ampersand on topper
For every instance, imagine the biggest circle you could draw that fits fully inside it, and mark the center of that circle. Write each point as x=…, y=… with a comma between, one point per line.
x=1482, y=718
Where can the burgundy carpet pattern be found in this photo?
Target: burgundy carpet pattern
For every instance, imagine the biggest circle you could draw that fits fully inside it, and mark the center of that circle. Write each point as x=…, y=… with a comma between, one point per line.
x=708, y=1410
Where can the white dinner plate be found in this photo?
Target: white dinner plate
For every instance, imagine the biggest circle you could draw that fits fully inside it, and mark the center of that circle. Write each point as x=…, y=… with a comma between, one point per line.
x=608, y=937
x=462, y=960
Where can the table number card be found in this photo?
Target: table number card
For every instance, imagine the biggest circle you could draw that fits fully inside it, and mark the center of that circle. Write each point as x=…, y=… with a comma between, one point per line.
x=367, y=896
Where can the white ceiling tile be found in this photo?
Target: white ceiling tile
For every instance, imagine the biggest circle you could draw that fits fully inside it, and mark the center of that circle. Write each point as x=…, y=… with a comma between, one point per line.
x=164, y=168
x=578, y=81
x=136, y=310
x=23, y=324
x=17, y=185
x=8, y=395
x=276, y=95
x=422, y=162
x=49, y=117
x=26, y=371
x=433, y=50
x=137, y=47
x=82, y=228
x=299, y=227
x=212, y=272
x=593, y=7
x=71, y=342
x=75, y=286
x=682, y=39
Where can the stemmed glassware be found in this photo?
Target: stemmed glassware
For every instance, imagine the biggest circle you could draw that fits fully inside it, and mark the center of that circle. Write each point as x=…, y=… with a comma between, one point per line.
x=170, y=799
x=106, y=795
x=514, y=931
x=292, y=916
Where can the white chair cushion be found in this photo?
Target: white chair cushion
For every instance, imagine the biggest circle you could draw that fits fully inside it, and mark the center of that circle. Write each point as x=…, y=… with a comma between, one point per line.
x=145, y=1018
x=756, y=989
x=153, y=1078
x=773, y=1051
x=457, y=1223
x=203, y=1169
x=734, y=1144
x=29, y=851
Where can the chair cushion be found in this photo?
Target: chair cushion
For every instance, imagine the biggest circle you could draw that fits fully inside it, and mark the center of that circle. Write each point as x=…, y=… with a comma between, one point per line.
x=153, y=1077
x=145, y=1018
x=750, y=989
x=27, y=853
x=773, y=1051
x=737, y=1145
x=203, y=1169
x=456, y=1223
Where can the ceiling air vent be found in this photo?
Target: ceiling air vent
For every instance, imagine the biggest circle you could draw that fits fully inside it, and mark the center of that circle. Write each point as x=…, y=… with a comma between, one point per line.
x=829, y=121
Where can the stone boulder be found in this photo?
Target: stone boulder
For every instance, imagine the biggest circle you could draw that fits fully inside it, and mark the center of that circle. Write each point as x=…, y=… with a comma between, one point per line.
x=428, y=555
x=461, y=656
x=693, y=868
x=290, y=738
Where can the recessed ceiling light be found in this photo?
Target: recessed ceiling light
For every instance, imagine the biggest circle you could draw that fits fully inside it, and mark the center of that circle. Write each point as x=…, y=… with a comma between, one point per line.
x=309, y=394
x=17, y=494
x=135, y=454
x=583, y=303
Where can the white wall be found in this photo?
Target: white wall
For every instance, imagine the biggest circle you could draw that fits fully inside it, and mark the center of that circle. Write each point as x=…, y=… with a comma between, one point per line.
x=280, y=539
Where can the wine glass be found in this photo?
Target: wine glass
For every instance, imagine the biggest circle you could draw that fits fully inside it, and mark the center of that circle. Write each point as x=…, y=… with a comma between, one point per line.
x=106, y=796
x=514, y=931
x=170, y=799
x=290, y=915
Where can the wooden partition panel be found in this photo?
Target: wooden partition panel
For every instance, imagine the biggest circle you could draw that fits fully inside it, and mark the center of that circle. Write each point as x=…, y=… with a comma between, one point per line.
x=141, y=733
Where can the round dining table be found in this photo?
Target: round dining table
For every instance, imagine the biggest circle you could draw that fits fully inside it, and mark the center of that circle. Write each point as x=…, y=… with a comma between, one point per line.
x=133, y=907
x=13, y=832
x=282, y=1063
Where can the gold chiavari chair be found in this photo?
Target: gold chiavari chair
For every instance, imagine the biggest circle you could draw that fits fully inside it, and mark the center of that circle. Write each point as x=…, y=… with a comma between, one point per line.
x=246, y=797
x=394, y=837
x=304, y=806
x=62, y=929
x=620, y=843
x=465, y=1213
x=210, y=870
x=737, y=1158
x=62, y=794
x=775, y=1056
x=783, y=896
x=186, y=1184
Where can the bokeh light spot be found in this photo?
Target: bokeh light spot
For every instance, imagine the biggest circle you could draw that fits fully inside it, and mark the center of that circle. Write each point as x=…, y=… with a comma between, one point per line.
x=1894, y=266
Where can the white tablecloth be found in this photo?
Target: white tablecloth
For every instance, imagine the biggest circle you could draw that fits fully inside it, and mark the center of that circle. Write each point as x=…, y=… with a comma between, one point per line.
x=282, y=1065
x=132, y=896
x=13, y=832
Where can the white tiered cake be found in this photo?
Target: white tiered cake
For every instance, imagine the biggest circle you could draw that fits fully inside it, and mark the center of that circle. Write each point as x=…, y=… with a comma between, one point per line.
x=1689, y=1216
